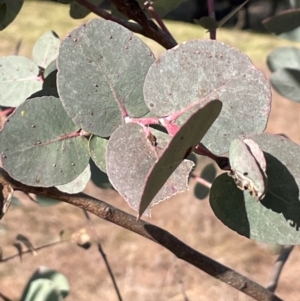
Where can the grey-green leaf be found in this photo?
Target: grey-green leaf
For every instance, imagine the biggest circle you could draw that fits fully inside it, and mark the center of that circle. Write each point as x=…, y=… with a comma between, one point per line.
x=40, y=144
x=54, y=284
x=284, y=57
x=276, y=219
x=201, y=70
x=45, y=50
x=179, y=147
x=42, y=289
x=287, y=83
x=130, y=155
x=97, y=148
x=78, y=184
x=18, y=80
x=110, y=64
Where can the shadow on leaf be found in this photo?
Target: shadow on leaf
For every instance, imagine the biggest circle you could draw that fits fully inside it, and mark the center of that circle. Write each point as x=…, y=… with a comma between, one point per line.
x=282, y=191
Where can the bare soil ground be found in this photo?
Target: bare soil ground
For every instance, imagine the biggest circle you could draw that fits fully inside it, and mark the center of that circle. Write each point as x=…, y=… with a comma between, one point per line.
x=145, y=271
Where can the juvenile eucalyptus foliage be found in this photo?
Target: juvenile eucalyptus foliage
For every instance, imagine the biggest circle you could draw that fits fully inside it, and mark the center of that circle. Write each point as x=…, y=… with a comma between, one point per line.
x=284, y=62
x=106, y=92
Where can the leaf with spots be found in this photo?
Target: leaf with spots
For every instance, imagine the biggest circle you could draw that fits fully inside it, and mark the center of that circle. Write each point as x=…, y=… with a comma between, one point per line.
x=198, y=71
x=40, y=148
x=131, y=155
x=78, y=184
x=19, y=78
x=101, y=72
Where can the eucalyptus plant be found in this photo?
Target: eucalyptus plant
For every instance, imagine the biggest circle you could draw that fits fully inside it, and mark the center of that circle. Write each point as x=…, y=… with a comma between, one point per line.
x=100, y=95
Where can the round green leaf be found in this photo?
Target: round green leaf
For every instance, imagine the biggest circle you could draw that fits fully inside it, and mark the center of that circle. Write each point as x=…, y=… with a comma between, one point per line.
x=284, y=57
x=40, y=144
x=59, y=284
x=201, y=70
x=130, y=155
x=179, y=147
x=18, y=80
x=42, y=289
x=78, y=184
x=287, y=83
x=276, y=219
x=97, y=147
x=9, y=11
x=45, y=50
x=110, y=64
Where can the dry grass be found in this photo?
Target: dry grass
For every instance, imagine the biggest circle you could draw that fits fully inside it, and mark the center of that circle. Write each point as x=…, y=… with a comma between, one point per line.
x=144, y=270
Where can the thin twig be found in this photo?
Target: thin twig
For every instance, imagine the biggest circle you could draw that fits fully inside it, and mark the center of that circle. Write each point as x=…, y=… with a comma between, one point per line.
x=100, y=249
x=132, y=10
x=278, y=266
x=211, y=14
x=30, y=251
x=156, y=16
x=5, y=298
x=152, y=232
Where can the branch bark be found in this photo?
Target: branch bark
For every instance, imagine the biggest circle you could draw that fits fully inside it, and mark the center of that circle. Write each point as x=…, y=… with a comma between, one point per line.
x=133, y=11
x=152, y=232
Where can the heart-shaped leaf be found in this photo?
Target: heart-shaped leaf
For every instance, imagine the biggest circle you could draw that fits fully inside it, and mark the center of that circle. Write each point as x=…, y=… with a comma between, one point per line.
x=130, y=155
x=179, y=147
x=101, y=71
x=40, y=148
x=201, y=70
x=276, y=219
x=18, y=80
